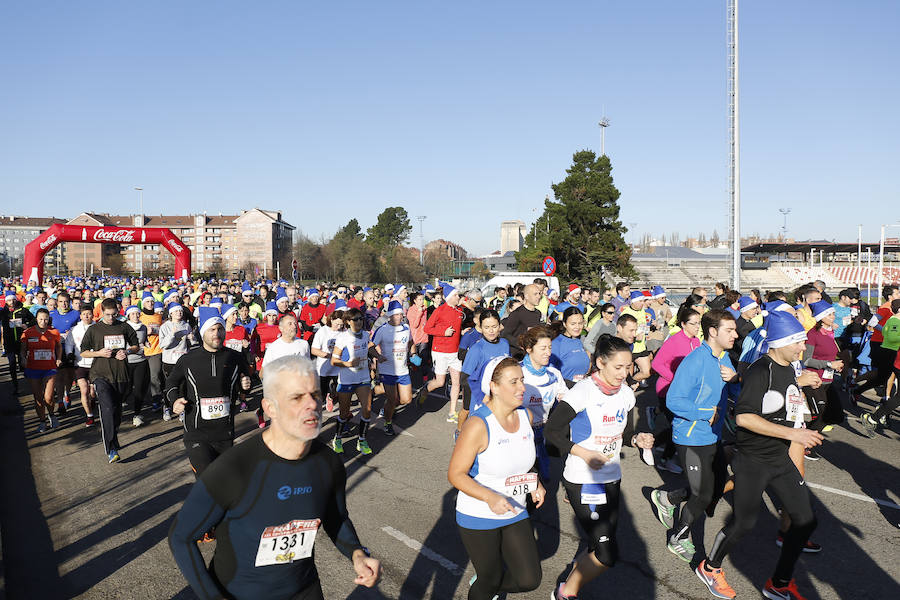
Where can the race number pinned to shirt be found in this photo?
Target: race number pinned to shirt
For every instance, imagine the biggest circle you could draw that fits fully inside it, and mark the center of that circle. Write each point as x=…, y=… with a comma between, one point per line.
x=873, y=321
x=283, y=544
x=519, y=486
x=215, y=408
x=16, y=323
x=846, y=320
x=827, y=374
x=153, y=329
x=608, y=445
x=795, y=406
x=114, y=342
x=236, y=345
x=43, y=355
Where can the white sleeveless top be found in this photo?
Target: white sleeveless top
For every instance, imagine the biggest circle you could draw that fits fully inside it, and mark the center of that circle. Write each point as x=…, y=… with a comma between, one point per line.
x=504, y=468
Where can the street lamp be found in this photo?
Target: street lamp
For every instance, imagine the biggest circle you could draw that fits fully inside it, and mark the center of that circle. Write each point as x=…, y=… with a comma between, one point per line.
x=140, y=190
x=881, y=259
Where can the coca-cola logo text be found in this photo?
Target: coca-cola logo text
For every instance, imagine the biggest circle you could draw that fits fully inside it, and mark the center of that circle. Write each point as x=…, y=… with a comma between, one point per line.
x=119, y=235
x=46, y=243
x=175, y=246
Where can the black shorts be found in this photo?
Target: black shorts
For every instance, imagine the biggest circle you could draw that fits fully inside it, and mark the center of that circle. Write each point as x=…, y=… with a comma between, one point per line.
x=202, y=452
x=82, y=373
x=642, y=354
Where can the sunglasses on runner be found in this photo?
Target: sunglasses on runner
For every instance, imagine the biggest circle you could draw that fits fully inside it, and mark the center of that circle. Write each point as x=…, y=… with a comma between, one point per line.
x=356, y=319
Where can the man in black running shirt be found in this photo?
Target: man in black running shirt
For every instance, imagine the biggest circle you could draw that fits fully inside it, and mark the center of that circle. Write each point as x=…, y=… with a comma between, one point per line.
x=267, y=498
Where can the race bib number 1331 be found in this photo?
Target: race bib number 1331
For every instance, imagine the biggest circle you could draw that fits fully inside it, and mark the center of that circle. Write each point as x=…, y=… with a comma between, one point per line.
x=283, y=544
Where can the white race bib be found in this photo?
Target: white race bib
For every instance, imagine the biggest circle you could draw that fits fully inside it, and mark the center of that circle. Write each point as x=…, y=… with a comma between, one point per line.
x=283, y=544
x=846, y=321
x=608, y=445
x=237, y=345
x=153, y=329
x=827, y=374
x=115, y=342
x=795, y=406
x=43, y=355
x=518, y=487
x=17, y=323
x=215, y=408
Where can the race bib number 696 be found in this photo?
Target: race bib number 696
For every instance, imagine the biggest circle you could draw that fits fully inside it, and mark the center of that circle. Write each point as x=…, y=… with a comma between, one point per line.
x=283, y=544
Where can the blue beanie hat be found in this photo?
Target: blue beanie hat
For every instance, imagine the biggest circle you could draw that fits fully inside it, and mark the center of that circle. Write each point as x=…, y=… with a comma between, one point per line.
x=783, y=329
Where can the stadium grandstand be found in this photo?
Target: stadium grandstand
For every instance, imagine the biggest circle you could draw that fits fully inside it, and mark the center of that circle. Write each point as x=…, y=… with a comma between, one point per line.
x=769, y=265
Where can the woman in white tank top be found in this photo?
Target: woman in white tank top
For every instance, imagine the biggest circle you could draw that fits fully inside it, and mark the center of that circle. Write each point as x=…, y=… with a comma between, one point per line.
x=493, y=467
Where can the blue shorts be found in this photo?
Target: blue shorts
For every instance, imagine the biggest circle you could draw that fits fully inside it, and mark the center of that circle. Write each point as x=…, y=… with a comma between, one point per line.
x=396, y=379
x=39, y=373
x=348, y=388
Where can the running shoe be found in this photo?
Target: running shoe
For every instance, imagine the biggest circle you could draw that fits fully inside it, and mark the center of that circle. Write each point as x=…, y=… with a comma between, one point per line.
x=61, y=408
x=243, y=408
x=54, y=422
x=665, y=512
x=809, y=548
x=868, y=424
x=811, y=454
x=683, y=549
x=646, y=455
x=89, y=422
x=381, y=414
x=558, y=593
x=207, y=537
x=455, y=435
x=363, y=447
x=827, y=428
x=137, y=421
x=714, y=580
x=113, y=456
x=41, y=428
x=421, y=395
x=260, y=418
x=788, y=592
x=669, y=464
x=155, y=405
x=181, y=418
x=389, y=429
x=346, y=428
x=454, y=418
x=337, y=444
x=167, y=414
x=329, y=403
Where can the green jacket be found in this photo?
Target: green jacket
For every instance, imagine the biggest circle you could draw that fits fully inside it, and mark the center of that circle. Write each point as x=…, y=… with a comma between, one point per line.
x=891, y=333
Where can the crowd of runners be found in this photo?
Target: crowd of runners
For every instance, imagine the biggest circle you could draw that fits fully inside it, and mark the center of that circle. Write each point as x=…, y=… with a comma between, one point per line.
x=539, y=384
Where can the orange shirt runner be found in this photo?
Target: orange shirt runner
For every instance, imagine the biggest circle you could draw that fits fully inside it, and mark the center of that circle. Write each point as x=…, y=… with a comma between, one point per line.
x=41, y=348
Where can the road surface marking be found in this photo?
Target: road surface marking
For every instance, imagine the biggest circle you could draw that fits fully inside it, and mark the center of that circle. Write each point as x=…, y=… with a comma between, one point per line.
x=423, y=550
x=862, y=497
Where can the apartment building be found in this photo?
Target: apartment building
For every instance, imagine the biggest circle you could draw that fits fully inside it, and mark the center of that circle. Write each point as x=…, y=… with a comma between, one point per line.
x=16, y=232
x=256, y=241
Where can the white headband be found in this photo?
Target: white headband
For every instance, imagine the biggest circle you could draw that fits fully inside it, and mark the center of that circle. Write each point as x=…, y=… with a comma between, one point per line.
x=489, y=373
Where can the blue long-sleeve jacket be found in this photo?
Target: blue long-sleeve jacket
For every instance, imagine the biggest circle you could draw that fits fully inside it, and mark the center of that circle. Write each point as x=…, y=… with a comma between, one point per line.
x=696, y=391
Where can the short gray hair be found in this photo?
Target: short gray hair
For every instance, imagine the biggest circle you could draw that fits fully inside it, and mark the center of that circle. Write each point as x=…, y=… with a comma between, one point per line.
x=474, y=294
x=294, y=363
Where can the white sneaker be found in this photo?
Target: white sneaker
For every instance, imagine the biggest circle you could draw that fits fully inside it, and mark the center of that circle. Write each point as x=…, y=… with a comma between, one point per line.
x=137, y=421
x=167, y=415
x=646, y=455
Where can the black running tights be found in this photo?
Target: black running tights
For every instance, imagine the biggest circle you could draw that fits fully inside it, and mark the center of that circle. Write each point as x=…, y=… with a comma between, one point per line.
x=505, y=559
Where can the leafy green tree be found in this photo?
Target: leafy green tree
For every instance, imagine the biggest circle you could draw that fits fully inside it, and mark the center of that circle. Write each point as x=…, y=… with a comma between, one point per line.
x=391, y=229
x=580, y=227
x=348, y=233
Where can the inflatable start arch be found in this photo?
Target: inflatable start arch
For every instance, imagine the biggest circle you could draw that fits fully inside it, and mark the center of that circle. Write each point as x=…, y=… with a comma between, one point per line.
x=33, y=269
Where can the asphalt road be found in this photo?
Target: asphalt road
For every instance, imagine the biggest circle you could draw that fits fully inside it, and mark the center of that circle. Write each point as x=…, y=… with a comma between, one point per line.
x=73, y=526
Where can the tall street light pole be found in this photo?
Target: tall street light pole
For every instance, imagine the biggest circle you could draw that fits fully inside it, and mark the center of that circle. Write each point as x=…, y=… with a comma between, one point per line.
x=140, y=190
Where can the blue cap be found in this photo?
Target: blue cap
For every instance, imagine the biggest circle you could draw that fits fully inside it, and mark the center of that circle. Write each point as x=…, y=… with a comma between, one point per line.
x=271, y=308
x=146, y=295
x=280, y=295
x=448, y=290
x=394, y=308
x=782, y=329
x=132, y=308
x=747, y=303
x=658, y=291
x=157, y=307
x=207, y=316
x=246, y=287
x=636, y=295
x=429, y=287
x=340, y=305
x=821, y=309
x=174, y=306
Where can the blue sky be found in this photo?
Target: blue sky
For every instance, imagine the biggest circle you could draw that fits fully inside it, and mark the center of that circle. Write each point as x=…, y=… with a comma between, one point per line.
x=464, y=112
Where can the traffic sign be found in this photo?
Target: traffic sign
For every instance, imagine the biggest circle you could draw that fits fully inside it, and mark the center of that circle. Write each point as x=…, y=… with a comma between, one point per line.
x=295, y=274
x=294, y=264
x=549, y=266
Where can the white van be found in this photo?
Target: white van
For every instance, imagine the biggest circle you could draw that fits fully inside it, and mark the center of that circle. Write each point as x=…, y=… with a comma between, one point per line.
x=514, y=277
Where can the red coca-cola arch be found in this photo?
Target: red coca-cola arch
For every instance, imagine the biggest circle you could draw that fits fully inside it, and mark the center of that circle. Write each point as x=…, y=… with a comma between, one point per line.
x=33, y=269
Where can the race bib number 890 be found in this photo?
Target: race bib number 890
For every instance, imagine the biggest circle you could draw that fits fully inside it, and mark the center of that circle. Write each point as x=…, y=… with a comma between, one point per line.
x=215, y=408
x=283, y=544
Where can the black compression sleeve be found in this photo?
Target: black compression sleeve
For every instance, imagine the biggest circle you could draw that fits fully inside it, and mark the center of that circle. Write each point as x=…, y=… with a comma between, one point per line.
x=628, y=433
x=336, y=521
x=198, y=514
x=175, y=382
x=556, y=431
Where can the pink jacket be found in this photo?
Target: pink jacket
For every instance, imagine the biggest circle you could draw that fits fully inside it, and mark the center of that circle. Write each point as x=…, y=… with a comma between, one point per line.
x=673, y=351
x=417, y=319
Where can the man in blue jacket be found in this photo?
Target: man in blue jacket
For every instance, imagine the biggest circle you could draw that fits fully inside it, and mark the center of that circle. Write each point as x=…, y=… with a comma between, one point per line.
x=698, y=397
